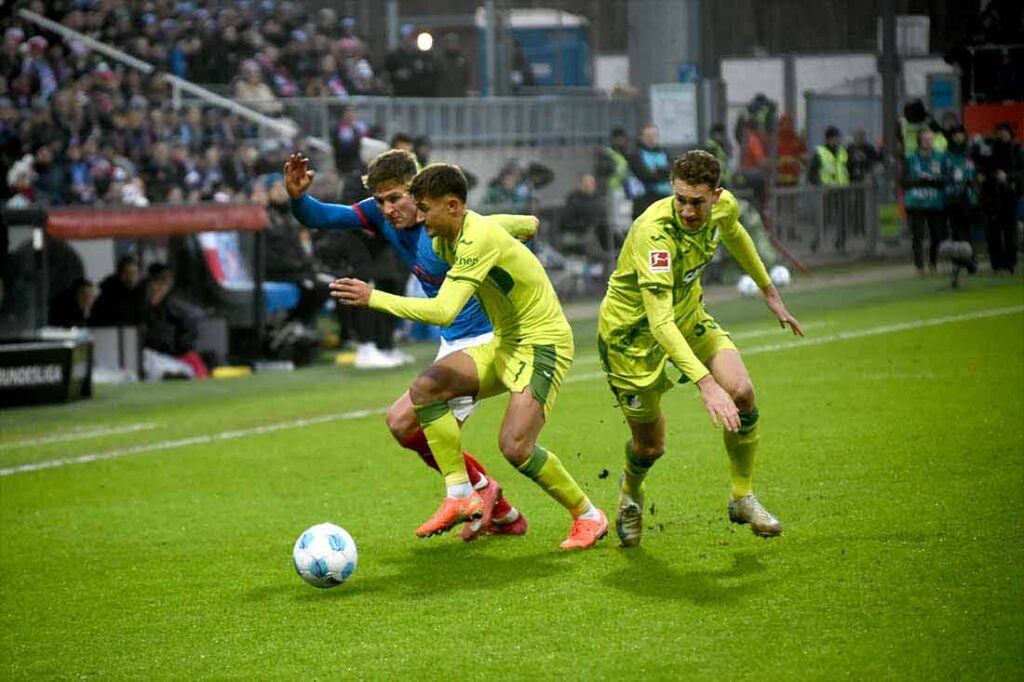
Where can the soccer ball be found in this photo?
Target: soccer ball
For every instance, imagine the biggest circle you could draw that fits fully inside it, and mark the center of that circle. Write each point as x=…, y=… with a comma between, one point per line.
x=747, y=286
x=325, y=555
x=780, y=276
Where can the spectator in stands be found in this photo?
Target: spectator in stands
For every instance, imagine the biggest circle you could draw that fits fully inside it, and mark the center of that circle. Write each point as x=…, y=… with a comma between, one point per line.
x=1001, y=190
x=403, y=141
x=611, y=165
x=718, y=144
x=346, y=141
x=51, y=178
x=650, y=165
x=422, y=148
x=170, y=331
x=119, y=302
x=251, y=90
x=791, y=152
x=509, y=191
x=71, y=307
x=924, y=184
x=754, y=161
x=862, y=158
x=290, y=255
x=584, y=229
x=410, y=70
x=452, y=68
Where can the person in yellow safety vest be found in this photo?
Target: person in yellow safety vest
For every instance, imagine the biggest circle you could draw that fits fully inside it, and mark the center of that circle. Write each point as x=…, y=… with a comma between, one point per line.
x=611, y=166
x=828, y=166
x=916, y=118
x=718, y=145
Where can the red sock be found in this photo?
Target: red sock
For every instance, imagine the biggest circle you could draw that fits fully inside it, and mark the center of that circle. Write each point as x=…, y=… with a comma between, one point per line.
x=501, y=508
x=417, y=442
x=474, y=468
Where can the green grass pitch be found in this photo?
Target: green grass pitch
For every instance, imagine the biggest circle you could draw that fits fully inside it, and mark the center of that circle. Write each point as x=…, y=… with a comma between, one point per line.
x=891, y=448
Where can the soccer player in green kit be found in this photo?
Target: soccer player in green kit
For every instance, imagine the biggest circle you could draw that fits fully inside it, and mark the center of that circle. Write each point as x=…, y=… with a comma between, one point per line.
x=653, y=314
x=528, y=358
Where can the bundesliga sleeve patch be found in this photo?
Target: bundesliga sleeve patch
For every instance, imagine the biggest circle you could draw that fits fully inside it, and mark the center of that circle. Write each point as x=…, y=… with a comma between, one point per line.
x=659, y=261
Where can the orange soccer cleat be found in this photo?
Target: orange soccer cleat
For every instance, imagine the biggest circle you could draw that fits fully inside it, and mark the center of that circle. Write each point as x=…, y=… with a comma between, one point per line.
x=451, y=512
x=585, y=533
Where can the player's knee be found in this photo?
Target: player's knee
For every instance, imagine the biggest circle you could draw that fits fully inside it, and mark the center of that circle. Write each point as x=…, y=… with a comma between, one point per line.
x=743, y=396
x=517, y=448
x=428, y=388
x=402, y=421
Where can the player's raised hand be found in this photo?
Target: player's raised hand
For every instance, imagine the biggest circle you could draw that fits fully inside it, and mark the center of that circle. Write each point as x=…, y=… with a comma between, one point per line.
x=349, y=291
x=774, y=301
x=719, y=404
x=297, y=175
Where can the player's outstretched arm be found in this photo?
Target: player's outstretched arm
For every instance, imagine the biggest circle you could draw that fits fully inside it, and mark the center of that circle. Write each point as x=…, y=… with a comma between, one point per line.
x=441, y=310
x=660, y=317
x=774, y=302
x=314, y=214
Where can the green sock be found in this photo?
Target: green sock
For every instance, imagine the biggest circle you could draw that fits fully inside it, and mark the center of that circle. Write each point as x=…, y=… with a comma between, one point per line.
x=546, y=470
x=742, y=447
x=634, y=471
x=445, y=439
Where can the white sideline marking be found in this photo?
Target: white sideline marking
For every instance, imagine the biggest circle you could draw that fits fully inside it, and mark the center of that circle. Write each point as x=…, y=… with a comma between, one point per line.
x=241, y=433
x=183, y=442
x=80, y=435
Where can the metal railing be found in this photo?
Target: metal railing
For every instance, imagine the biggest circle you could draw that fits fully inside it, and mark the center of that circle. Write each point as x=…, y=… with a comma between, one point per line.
x=475, y=122
x=817, y=220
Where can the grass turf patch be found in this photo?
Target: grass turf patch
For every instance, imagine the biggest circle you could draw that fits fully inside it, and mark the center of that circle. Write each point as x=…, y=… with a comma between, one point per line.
x=892, y=459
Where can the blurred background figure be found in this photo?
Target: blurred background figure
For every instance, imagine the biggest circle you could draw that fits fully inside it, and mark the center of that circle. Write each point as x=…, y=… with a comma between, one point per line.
x=924, y=184
x=650, y=165
x=584, y=226
x=72, y=307
x=120, y=300
x=1001, y=188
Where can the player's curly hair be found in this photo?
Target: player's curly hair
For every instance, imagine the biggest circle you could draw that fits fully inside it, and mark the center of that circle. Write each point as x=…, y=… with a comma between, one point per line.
x=439, y=180
x=396, y=165
x=697, y=167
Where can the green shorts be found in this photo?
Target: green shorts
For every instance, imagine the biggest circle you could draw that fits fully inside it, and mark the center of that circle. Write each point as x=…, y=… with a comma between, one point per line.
x=638, y=394
x=511, y=366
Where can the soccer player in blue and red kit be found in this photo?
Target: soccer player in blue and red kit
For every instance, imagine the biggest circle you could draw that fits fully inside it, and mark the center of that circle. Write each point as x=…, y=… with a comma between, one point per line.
x=391, y=213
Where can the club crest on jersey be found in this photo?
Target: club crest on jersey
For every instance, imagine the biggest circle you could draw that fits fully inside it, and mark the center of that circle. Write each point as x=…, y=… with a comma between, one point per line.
x=659, y=261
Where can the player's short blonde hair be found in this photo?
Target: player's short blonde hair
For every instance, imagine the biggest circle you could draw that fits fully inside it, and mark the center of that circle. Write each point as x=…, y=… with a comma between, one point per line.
x=697, y=167
x=396, y=165
x=440, y=180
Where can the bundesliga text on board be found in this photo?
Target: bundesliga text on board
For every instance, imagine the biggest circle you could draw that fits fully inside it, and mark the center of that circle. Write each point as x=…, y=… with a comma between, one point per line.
x=31, y=375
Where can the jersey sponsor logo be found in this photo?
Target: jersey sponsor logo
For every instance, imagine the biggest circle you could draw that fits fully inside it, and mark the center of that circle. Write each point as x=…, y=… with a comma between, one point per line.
x=659, y=261
x=466, y=262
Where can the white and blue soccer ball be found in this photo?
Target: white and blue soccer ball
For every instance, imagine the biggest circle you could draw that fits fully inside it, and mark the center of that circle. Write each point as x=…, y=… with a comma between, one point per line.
x=325, y=555
x=780, y=276
x=747, y=286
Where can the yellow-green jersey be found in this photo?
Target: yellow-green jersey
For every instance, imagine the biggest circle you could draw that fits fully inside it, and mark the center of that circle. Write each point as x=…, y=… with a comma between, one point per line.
x=657, y=285
x=506, y=277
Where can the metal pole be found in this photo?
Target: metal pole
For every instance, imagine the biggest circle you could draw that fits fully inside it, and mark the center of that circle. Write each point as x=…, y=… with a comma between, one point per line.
x=489, y=84
x=392, y=25
x=890, y=72
x=258, y=307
